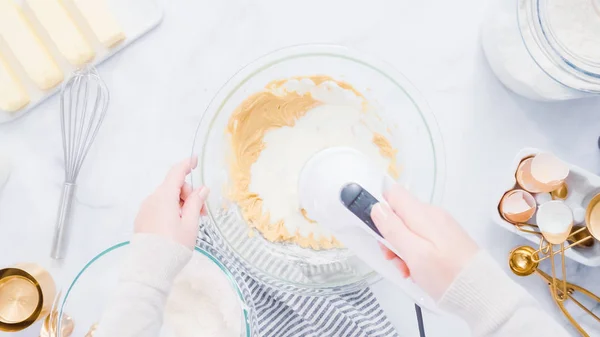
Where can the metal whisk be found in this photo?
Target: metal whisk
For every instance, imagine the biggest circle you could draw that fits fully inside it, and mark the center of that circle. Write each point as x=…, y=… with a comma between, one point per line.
x=83, y=104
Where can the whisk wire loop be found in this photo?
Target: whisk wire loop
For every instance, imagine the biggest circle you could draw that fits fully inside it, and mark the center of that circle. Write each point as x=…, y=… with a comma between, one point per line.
x=83, y=104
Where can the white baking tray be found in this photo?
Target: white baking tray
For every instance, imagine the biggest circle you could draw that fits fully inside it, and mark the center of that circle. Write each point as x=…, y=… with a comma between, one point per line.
x=582, y=185
x=137, y=17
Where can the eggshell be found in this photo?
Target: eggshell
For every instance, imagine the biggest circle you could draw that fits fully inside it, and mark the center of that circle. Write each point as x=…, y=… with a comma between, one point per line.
x=549, y=171
x=555, y=220
x=526, y=180
x=517, y=206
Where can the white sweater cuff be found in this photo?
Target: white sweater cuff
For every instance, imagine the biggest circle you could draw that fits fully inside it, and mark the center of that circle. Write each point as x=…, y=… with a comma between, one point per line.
x=154, y=261
x=483, y=295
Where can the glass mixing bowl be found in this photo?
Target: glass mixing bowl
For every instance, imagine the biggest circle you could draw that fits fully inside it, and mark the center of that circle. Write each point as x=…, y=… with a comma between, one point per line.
x=86, y=297
x=415, y=134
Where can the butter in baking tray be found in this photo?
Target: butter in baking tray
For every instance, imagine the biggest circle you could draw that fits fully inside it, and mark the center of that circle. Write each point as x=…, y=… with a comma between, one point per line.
x=27, y=47
x=12, y=93
x=63, y=31
x=102, y=21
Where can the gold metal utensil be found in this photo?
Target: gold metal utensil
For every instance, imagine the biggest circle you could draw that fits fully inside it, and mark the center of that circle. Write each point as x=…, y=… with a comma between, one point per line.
x=529, y=228
x=523, y=261
x=26, y=293
x=581, y=234
x=555, y=229
x=561, y=192
x=557, y=214
x=592, y=216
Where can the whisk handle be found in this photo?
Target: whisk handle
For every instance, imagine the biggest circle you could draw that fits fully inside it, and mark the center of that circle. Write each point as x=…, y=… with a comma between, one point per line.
x=61, y=230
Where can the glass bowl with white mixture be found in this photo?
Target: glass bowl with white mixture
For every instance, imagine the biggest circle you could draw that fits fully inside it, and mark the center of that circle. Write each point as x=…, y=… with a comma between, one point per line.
x=335, y=76
x=208, y=297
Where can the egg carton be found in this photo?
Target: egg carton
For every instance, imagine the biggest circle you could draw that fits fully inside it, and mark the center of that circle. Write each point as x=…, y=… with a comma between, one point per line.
x=582, y=186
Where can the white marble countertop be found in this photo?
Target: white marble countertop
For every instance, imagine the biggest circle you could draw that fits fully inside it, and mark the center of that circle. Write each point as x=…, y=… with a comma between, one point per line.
x=161, y=84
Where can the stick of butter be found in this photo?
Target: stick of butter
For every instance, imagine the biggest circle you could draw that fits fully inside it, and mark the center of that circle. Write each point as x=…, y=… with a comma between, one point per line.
x=101, y=20
x=27, y=47
x=62, y=30
x=12, y=94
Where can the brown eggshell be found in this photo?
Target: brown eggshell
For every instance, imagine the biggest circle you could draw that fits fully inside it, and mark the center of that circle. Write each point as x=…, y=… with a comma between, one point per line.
x=526, y=180
x=517, y=206
x=548, y=171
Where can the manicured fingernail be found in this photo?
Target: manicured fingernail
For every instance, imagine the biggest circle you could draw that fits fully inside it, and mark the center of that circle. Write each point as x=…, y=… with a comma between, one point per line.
x=378, y=213
x=203, y=192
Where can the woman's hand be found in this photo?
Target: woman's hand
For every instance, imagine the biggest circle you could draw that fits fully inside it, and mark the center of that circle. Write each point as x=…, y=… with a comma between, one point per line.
x=433, y=246
x=173, y=210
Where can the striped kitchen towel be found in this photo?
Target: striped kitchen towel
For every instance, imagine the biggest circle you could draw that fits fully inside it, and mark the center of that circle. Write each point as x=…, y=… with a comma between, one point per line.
x=353, y=314
x=281, y=314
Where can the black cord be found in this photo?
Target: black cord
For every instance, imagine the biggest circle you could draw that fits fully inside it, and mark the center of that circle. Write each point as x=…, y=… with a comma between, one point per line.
x=420, y=321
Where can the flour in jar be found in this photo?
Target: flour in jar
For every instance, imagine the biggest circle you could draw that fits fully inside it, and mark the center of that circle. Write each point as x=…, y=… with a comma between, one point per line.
x=576, y=25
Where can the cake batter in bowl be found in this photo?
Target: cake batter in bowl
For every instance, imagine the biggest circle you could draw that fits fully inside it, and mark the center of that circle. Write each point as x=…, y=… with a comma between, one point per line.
x=268, y=119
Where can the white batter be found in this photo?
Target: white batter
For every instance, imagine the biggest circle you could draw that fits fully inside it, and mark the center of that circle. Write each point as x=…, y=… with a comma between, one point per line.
x=274, y=132
x=275, y=173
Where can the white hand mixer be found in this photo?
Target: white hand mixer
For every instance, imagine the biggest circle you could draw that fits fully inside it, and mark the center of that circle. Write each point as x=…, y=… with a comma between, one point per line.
x=338, y=187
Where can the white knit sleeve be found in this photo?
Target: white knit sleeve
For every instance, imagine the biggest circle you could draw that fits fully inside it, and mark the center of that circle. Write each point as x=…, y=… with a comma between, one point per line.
x=137, y=305
x=492, y=304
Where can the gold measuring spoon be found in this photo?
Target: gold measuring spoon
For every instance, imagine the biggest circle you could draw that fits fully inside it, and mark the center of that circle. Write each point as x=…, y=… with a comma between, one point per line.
x=561, y=192
x=592, y=216
x=522, y=262
x=528, y=228
x=581, y=235
x=555, y=220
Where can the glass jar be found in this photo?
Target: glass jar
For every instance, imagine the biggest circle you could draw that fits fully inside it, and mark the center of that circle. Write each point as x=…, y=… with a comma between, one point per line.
x=546, y=50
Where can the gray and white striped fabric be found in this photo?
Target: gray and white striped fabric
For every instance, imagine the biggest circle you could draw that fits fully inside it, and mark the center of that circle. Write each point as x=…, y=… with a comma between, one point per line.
x=353, y=314
x=280, y=314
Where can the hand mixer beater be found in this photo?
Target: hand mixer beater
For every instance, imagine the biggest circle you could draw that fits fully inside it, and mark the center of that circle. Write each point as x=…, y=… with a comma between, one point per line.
x=83, y=104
